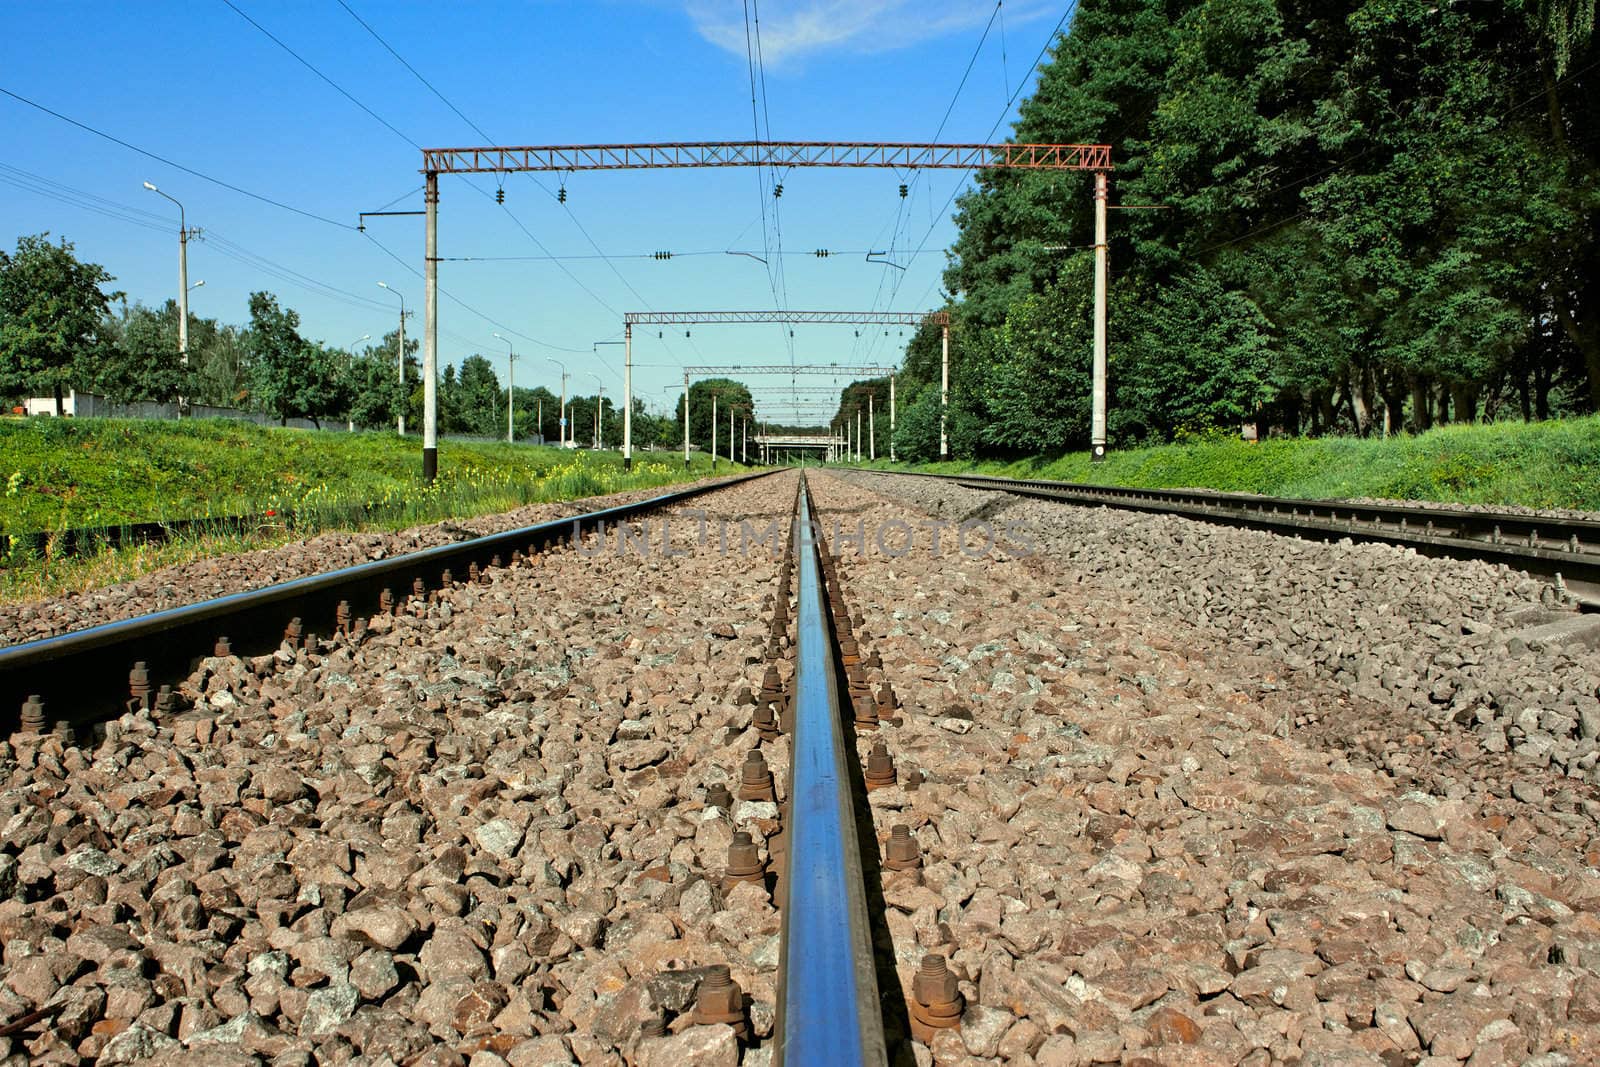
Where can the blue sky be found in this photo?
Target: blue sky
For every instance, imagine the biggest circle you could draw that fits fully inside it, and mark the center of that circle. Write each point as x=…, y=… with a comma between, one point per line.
x=198, y=84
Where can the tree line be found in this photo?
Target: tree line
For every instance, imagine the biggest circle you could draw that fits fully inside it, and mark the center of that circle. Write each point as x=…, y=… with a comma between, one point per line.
x=63, y=328
x=1341, y=216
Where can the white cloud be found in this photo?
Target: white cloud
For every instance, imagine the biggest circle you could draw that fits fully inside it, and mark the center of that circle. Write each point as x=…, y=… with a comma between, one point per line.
x=791, y=29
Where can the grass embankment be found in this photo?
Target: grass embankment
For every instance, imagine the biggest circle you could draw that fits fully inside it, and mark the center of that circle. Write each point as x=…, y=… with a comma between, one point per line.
x=1543, y=465
x=71, y=474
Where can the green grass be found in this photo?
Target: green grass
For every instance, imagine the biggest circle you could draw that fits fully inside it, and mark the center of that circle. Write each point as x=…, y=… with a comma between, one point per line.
x=1552, y=464
x=62, y=474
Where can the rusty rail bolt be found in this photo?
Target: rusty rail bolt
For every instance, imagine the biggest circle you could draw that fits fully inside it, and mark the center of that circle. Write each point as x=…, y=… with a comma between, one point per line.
x=887, y=698
x=516, y=557
x=720, y=1000
x=880, y=767
x=744, y=863
x=765, y=723
x=474, y=574
x=419, y=587
x=65, y=733
x=755, y=778
x=717, y=796
x=295, y=632
x=446, y=579
x=744, y=698
x=166, y=701
x=913, y=780
x=139, y=685
x=386, y=602
x=936, y=1001
x=494, y=561
x=771, y=685
x=902, y=853
x=866, y=714
x=873, y=660
x=341, y=619
x=33, y=714
x=223, y=648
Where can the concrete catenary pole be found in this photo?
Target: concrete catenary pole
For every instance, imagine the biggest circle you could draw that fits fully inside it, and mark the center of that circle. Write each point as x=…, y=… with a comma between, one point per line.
x=944, y=390
x=713, y=431
x=430, y=334
x=1102, y=276
x=627, y=397
x=730, y=435
x=599, y=408
x=891, y=418
x=685, y=420
x=872, y=431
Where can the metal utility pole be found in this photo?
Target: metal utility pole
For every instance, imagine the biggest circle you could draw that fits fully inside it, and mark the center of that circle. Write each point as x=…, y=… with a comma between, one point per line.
x=400, y=422
x=511, y=371
x=562, y=435
x=944, y=390
x=858, y=433
x=599, y=408
x=183, y=283
x=1102, y=277
x=430, y=333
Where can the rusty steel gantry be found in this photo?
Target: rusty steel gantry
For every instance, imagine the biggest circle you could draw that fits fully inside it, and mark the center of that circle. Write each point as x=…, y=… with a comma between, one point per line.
x=495, y=159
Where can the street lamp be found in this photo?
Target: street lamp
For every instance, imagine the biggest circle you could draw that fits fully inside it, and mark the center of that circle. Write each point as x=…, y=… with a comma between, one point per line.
x=400, y=421
x=197, y=285
x=511, y=370
x=599, y=408
x=183, y=282
x=563, y=366
x=349, y=419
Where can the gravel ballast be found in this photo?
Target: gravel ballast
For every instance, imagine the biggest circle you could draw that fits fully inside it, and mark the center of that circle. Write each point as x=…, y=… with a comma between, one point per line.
x=1133, y=854
x=204, y=579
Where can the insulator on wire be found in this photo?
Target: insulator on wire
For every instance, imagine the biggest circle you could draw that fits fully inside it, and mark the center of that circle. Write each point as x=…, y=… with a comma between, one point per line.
x=561, y=195
x=500, y=196
x=822, y=253
x=902, y=190
x=663, y=255
x=777, y=190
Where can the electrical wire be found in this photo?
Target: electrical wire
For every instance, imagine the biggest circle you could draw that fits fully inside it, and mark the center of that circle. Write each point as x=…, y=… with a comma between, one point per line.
x=173, y=163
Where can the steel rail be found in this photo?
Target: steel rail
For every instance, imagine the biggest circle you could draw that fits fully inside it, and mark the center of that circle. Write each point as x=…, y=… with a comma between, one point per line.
x=1544, y=546
x=83, y=675
x=829, y=1009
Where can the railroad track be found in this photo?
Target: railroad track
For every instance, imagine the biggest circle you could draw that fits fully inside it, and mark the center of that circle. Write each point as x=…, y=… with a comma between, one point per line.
x=84, y=677
x=664, y=808
x=1565, y=552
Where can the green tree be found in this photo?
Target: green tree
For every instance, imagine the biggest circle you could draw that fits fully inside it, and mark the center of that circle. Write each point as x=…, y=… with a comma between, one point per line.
x=140, y=360
x=292, y=376
x=52, y=316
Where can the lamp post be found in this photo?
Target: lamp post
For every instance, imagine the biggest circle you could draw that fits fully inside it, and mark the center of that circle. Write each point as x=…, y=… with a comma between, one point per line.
x=349, y=420
x=627, y=391
x=400, y=422
x=183, y=283
x=511, y=371
x=599, y=408
x=562, y=436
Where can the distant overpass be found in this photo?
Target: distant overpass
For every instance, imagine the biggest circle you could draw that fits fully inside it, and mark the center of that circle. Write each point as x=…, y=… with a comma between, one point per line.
x=831, y=445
